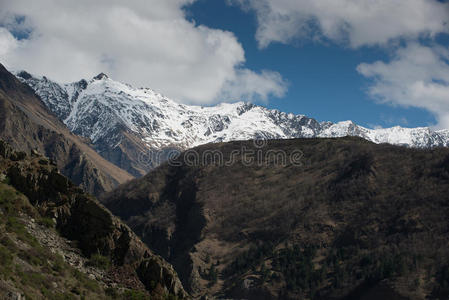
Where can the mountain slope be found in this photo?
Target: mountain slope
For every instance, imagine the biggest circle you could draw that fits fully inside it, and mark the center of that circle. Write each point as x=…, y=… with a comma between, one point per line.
x=57, y=242
x=28, y=125
x=302, y=219
x=130, y=126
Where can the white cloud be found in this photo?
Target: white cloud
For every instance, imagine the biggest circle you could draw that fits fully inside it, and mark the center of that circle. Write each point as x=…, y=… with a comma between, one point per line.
x=267, y=82
x=416, y=76
x=142, y=42
x=354, y=22
x=7, y=42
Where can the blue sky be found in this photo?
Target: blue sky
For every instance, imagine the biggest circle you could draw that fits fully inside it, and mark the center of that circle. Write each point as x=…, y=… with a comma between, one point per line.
x=323, y=80
x=378, y=63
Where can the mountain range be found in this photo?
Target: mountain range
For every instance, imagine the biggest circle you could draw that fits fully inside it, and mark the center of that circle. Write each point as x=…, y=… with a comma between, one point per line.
x=128, y=125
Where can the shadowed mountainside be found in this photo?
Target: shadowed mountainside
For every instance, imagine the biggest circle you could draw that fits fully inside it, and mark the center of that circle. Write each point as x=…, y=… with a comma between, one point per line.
x=28, y=125
x=352, y=220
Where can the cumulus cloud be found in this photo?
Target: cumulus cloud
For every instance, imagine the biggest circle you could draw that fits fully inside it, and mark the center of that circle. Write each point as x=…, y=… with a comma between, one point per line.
x=267, y=82
x=143, y=42
x=353, y=22
x=416, y=76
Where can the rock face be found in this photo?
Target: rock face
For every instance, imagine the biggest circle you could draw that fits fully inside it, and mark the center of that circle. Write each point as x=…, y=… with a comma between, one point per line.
x=81, y=218
x=28, y=125
x=339, y=218
x=131, y=127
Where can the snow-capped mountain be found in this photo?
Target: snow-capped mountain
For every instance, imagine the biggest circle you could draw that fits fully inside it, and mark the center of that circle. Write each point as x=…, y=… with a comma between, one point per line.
x=123, y=121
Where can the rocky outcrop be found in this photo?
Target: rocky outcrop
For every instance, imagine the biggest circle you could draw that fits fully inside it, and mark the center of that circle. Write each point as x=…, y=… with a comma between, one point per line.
x=80, y=217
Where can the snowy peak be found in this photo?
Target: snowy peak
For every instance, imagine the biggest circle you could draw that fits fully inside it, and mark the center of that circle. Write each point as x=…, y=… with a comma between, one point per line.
x=101, y=76
x=24, y=75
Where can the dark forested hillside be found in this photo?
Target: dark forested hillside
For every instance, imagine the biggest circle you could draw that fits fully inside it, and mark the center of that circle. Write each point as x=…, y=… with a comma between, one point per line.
x=340, y=219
